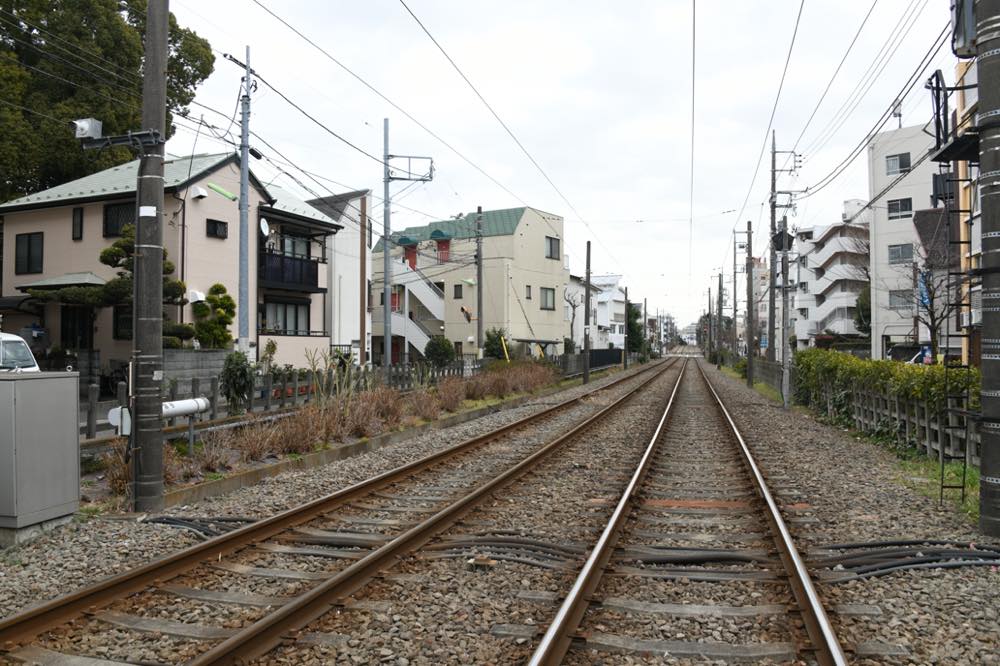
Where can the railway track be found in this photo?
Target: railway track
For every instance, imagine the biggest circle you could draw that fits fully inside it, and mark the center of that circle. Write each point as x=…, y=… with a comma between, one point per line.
x=239, y=595
x=696, y=561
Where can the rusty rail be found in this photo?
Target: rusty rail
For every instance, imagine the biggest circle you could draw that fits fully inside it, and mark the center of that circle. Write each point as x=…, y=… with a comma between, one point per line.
x=21, y=628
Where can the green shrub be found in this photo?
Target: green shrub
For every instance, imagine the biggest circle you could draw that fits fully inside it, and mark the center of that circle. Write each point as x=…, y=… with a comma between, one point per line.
x=177, y=330
x=237, y=382
x=439, y=351
x=171, y=342
x=493, y=344
x=213, y=317
x=741, y=367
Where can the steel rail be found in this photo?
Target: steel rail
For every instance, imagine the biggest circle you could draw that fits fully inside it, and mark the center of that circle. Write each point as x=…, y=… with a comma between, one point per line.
x=828, y=650
x=556, y=640
x=271, y=630
x=22, y=627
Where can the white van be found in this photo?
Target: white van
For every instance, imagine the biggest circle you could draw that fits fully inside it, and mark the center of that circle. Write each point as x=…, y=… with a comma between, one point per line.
x=15, y=356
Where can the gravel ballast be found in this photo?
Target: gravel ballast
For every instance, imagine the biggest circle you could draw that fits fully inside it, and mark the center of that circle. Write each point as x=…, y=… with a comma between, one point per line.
x=850, y=490
x=86, y=550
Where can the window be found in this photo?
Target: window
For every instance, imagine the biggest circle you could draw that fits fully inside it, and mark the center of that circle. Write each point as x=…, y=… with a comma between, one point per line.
x=897, y=164
x=458, y=348
x=121, y=325
x=216, y=229
x=28, y=253
x=527, y=291
x=548, y=298
x=78, y=224
x=551, y=247
x=116, y=216
x=901, y=254
x=901, y=299
x=286, y=317
x=900, y=208
x=458, y=291
x=295, y=246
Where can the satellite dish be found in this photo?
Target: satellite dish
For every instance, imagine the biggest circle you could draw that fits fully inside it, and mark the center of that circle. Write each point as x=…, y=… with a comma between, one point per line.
x=265, y=228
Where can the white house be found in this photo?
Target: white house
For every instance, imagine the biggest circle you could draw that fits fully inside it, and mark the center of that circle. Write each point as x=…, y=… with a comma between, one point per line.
x=574, y=312
x=611, y=309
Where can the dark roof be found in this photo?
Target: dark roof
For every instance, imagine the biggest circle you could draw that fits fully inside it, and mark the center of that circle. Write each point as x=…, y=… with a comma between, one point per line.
x=336, y=205
x=495, y=223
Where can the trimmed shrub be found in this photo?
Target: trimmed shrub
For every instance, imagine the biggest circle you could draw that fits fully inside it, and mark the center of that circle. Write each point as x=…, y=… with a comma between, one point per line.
x=439, y=351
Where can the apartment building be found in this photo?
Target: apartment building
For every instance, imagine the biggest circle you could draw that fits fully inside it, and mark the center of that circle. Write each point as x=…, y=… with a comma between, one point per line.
x=611, y=310
x=893, y=238
x=349, y=272
x=831, y=270
x=574, y=311
x=433, y=283
x=55, y=237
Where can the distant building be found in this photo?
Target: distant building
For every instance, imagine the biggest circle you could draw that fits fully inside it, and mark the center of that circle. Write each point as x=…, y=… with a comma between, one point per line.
x=611, y=309
x=434, y=284
x=832, y=269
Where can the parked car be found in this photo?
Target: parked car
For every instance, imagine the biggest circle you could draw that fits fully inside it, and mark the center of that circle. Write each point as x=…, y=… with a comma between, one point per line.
x=15, y=356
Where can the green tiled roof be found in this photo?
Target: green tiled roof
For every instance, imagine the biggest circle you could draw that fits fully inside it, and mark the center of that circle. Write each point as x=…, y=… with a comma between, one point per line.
x=495, y=223
x=119, y=181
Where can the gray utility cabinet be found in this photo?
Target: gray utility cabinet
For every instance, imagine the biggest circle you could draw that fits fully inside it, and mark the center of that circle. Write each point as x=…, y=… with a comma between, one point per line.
x=39, y=447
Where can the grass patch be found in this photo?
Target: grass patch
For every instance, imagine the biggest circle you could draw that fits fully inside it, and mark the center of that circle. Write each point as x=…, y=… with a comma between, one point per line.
x=923, y=474
x=214, y=476
x=85, y=513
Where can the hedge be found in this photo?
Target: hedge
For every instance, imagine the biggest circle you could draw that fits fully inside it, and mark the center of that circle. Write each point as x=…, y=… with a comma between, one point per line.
x=826, y=379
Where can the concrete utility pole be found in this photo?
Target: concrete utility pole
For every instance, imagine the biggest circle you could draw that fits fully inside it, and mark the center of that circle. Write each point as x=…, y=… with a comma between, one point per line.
x=586, y=321
x=772, y=263
x=988, y=121
x=627, y=322
x=736, y=351
x=751, y=309
x=479, y=282
x=243, y=304
x=718, y=325
x=645, y=325
x=363, y=280
x=710, y=331
x=147, y=297
x=386, y=251
x=786, y=354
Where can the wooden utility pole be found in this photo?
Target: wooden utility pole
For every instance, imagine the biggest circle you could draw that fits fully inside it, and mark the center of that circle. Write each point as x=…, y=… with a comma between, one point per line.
x=147, y=299
x=718, y=325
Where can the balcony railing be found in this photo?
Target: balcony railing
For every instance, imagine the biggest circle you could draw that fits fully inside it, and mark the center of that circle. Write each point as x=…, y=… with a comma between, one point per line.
x=280, y=271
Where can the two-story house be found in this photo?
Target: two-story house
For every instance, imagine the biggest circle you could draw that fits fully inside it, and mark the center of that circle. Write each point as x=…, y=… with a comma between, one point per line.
x=433, y=278
x=610, y=310
x=574, y=312
x=54, y=239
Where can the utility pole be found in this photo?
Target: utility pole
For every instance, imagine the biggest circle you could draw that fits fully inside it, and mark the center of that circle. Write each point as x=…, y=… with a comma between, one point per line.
x=147, y=298
x=363, y=282
x=386, y=251
x=736, y=352
x=627, y=322
x=586, y=321
x=988, y=64
x=645, y=325
x=244, y=287
x=479, y=282
x=718, y=326
x=774, y=257
x=387, y=177
x=708, y=335
x=751, y=308
x=786, y=355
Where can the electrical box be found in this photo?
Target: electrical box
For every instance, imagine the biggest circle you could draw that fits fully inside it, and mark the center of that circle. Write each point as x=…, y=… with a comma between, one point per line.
x=39, y=447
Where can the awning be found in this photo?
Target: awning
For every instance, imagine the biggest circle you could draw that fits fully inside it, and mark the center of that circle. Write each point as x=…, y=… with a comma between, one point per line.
x=20, y=304
x=86, y=279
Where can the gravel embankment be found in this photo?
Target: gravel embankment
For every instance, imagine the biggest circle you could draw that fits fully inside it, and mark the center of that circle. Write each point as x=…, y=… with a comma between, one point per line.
x=528, y=538
x=849, y=490
x=79, y=553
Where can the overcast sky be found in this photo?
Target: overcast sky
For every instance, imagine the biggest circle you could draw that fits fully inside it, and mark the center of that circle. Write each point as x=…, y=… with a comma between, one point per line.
x=599, y=93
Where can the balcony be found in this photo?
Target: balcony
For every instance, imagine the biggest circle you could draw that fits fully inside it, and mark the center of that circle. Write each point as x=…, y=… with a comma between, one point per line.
x=280, y=271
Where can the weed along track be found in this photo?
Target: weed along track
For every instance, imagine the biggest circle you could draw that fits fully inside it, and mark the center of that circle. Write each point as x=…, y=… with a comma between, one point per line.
x=237, y=595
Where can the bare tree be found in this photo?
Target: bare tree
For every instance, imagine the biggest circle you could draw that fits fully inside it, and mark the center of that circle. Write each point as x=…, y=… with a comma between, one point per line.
x=573, y=301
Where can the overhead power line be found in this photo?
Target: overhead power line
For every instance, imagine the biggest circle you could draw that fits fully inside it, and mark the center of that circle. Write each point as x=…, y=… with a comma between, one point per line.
x=507, y=129
x=388, y=101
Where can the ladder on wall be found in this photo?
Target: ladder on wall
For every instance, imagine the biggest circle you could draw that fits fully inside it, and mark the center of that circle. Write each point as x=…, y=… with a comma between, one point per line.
x=956, y=411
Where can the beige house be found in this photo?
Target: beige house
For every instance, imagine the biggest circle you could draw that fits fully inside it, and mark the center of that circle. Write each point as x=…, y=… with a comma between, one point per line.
x=54, y=238
x=434, y=283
